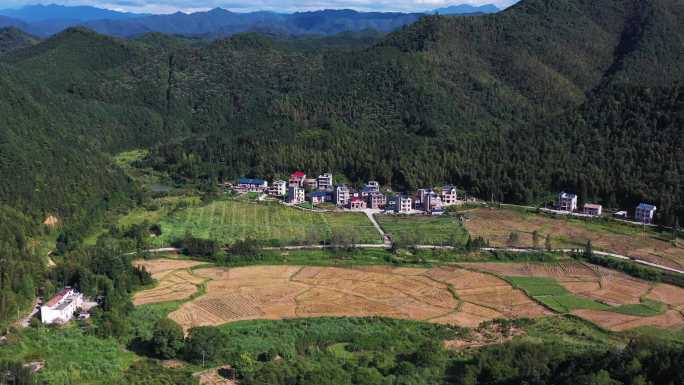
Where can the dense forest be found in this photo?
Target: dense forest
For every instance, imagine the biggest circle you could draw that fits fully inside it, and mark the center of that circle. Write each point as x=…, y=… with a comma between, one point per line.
x=577, y=95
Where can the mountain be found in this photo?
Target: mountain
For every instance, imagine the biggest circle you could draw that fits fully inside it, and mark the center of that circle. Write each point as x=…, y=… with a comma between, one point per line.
x=543, y=96
x=50, y=19
x=466, y=9
x=41, y=13
x=13, y=38
x=10, y=22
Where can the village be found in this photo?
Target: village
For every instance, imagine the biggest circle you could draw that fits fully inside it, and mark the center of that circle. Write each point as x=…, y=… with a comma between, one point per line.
x=300, y=189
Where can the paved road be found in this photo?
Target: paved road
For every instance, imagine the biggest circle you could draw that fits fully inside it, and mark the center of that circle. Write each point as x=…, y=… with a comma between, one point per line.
x=388, y=245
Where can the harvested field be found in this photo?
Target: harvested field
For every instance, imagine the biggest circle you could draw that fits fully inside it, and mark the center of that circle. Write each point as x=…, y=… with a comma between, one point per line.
x=604, y=285
x=441, y=295
x=673, y=295
x=496, y=225
x=174, y=285
x=277, y=292
x=619, y=322
x=157, y=266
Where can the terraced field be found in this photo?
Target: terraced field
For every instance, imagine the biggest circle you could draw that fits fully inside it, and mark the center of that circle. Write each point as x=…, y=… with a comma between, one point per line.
x=230, y=220
x=464, y=296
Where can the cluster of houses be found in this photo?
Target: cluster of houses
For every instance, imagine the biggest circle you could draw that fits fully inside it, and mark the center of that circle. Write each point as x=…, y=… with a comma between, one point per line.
x=567, y=202
x=299, y=189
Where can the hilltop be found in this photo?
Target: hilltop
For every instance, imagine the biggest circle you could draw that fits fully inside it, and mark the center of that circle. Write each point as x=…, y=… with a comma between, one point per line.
x=12, y=38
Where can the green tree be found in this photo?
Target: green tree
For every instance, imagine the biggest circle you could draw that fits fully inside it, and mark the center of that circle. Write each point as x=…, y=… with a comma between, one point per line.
x=547, y=243
x=167, y=338
x=513, y=238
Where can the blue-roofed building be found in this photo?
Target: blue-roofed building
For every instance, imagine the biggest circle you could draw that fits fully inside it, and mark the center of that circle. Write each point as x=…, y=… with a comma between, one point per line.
x=644, y=213
x=317, y=197
x=252, y=185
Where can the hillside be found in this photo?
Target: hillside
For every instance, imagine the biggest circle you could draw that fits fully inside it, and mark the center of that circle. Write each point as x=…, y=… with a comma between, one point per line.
x=457, y=96
x=13, y=38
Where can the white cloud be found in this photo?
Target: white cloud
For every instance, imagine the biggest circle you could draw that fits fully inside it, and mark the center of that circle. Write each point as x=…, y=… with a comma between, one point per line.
x=170, y=6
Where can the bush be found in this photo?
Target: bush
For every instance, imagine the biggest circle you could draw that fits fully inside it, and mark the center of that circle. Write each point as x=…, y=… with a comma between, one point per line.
x=167, y=339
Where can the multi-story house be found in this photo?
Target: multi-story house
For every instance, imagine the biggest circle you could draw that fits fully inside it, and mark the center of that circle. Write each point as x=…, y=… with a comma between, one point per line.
x=278, y=188
x=295, y=195
x=376, y=200
x=567, y=202
x=449, y=195
x=403, y=204
x=325, y=182
x=297, y=178
x=645, y=213
x=342, y=195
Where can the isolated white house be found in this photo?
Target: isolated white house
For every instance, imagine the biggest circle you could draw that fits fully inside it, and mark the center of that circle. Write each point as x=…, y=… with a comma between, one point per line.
x=60, y=309
x=567, y=202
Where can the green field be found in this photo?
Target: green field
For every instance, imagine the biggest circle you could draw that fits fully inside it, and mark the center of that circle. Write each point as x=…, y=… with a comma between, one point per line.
x=424, y=230
x=557, y=298
x=229, y=220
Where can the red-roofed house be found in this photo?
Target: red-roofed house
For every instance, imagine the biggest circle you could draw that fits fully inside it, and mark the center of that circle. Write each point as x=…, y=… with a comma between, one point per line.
x=61, y=307
x=297, y=178
x=357, y=203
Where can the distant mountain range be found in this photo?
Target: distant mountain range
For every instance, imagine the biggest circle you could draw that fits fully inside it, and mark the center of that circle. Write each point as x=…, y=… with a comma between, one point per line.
x=46, y=20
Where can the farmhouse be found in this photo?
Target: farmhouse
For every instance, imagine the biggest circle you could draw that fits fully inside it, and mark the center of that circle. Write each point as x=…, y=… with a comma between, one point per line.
x=295, y=195
x=449, y=196
x=325, y=182
x=373, y=186
x=60, y=309
x=252, y=185
x=278, y=188
x=342, y=195
x=644, y=213
x=592, y=209
x=357, y=203
x=376, y=200
x=297, y=178
x=567, y=202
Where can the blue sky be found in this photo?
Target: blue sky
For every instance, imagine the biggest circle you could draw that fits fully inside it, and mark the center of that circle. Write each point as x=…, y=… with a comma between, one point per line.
x=170, y=6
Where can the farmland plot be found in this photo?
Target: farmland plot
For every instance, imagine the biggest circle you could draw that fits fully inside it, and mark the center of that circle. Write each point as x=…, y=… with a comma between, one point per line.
x=496, y=225
x=229, y=220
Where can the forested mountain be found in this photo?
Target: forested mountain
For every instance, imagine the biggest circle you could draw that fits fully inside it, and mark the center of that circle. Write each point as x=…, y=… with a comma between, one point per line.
x=13, y=38
x=541, y=97
x=41, y=12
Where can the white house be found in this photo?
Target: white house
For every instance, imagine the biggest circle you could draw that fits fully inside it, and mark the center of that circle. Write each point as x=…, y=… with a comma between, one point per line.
x=342, y=195
x=278, y=188
x=325, y=182
x=295, y=195
x=644, y=213
x=449, y=196
x=593, y=209
x=567, y=202
x=252, y=185
x=403, y=204
x=60, y=309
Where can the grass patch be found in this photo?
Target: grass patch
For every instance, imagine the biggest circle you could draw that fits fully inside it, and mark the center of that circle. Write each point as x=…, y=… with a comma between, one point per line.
x=554, y=296
x=70, y=355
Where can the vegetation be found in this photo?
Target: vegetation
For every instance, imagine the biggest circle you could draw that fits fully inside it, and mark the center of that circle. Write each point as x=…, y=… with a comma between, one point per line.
x=549, y=292
x=424, y=230
x=227, y=221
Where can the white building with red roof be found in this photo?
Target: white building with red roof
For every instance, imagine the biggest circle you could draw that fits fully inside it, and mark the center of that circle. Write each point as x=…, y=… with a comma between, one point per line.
x=297, y=178
x=60, y=309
